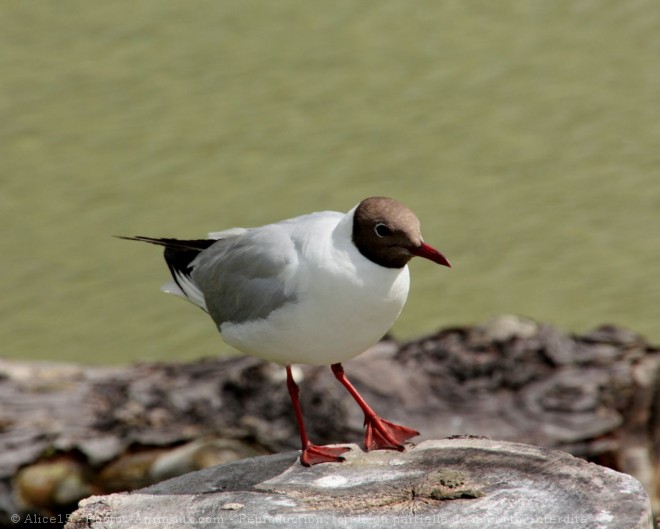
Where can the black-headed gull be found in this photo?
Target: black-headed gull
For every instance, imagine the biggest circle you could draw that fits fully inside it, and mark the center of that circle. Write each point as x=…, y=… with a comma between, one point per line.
x=316, y=289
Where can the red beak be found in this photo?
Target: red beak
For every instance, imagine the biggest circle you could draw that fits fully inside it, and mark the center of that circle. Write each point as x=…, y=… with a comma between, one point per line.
x=428, y=252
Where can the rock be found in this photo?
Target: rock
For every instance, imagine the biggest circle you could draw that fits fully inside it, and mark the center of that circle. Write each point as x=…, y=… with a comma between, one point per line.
x=59, y=481
x=456, y=483
x=506, y=327
x=199, y=454
x=108, y=429
x=596, y=395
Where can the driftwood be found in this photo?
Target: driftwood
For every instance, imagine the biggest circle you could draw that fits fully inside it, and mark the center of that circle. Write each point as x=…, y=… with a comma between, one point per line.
x=454, y=484
x=67, y=432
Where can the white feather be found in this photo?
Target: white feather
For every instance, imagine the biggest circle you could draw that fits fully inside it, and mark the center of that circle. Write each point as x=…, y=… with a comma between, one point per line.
x=226, y=234
x=188, y=290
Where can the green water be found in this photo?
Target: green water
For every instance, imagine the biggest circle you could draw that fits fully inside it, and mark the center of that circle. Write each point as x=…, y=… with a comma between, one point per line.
x=525, y=134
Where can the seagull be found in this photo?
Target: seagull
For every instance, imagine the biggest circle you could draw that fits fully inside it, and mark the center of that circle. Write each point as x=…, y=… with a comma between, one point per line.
x=315, y=289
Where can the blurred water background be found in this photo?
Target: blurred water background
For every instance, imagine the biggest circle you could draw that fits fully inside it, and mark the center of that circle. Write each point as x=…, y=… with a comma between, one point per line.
x=525, y=134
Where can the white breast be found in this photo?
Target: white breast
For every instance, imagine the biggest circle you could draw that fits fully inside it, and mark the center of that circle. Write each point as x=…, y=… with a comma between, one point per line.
x=344, y=303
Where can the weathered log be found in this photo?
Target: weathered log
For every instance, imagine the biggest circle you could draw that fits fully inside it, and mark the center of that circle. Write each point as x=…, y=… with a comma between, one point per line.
x=70, y=431
x=458, y=483
x=596, y=396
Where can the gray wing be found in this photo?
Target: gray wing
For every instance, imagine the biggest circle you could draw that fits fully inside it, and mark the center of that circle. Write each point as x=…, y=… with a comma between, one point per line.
x=245, y=277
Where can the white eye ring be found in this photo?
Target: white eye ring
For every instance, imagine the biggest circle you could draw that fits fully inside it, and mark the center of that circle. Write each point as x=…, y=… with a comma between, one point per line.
x=381, y=230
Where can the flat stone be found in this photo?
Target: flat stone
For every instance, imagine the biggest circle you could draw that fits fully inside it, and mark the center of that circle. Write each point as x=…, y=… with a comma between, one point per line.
x=455, y=483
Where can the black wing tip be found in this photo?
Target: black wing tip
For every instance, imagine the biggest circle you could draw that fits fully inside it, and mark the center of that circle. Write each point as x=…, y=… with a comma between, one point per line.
x=141, y=238
x=134, y=238
x=196, y=245
x=178, y=253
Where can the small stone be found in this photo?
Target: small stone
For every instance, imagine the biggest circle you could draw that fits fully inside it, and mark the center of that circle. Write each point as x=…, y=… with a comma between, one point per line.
x=507, y=327
x=232, y=506
x=51, y=484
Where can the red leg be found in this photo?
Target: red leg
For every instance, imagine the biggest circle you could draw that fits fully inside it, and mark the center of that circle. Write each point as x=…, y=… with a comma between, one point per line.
x=380, y=434
x=311, y=454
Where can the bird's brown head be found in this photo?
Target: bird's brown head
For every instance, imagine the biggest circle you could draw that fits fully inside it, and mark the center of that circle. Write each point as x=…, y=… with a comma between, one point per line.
x=388, y=233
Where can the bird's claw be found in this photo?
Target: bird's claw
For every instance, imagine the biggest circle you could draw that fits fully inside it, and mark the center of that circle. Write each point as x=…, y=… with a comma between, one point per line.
x=385, y=435
x=314, y=454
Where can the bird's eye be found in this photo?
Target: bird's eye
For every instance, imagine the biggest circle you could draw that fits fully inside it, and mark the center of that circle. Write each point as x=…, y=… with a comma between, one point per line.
x=382, y=230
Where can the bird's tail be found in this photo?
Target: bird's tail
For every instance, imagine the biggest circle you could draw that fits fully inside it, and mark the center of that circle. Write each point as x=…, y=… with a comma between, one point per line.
x=179, y=254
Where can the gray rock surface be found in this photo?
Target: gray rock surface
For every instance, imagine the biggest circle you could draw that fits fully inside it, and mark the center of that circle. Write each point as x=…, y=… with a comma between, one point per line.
x=453, y=483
